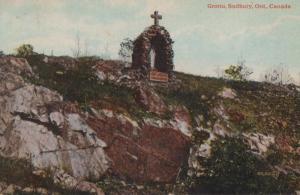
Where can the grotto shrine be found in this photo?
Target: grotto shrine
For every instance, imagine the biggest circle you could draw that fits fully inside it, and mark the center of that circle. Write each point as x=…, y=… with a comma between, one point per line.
x=153, y=53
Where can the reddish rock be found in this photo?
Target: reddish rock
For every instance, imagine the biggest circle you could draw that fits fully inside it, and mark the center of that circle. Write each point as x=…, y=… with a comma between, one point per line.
x=109, y=66
x=281, y=123
x=284, y=143
x=15, y=65
x=235, y=115
x=181, y=113
x=108, y=70
x=150, y=100
x=143, y=152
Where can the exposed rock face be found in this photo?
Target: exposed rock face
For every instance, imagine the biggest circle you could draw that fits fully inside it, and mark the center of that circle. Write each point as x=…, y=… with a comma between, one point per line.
x=258, y=142
x=182, y=120
x=10, y=73
x=284, y=144
x=200, y=151
x=54, y=138
x=70, y=183
x=117, y=72
x=227, y=93
x=142, y=152
x=14, y=65
x=219, y=130
x=108, y=70
x=221, y=112
x=38, y=125
x=150, y=100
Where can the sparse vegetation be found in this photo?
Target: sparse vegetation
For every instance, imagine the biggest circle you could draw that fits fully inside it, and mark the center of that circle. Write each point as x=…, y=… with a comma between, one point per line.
x=259, y=107
x=112, y=184
x=79, y=84
x=266, y=108
x=25, y=50
x=279, y=75
x=126, y=49
x=233, y=169
x=238, y=72
x=197, y=94
x=20, y=172
x=82, y=85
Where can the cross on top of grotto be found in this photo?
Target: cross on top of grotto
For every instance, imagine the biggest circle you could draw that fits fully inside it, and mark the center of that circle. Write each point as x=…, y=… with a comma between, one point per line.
x=153, y=53
x=156, y=18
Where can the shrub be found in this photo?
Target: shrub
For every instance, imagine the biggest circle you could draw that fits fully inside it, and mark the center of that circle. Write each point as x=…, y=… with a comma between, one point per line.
x=25, y=50
x=232, y=169
x=126, y=49
x=238, y=72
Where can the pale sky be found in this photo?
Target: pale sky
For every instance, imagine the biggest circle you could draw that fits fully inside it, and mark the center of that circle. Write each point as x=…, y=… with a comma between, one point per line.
x=204, y=38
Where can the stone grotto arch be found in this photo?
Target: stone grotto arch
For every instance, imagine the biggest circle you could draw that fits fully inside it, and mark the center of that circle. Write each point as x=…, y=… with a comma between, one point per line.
x=157, y=39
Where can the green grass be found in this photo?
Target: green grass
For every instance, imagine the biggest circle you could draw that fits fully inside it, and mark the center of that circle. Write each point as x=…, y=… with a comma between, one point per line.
x=197, y=94
x=81, y=85
x=112, y=184
x=267, y=108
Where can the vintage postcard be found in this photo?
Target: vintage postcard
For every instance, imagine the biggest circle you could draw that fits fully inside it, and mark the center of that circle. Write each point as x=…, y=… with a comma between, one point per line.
x=163, y=97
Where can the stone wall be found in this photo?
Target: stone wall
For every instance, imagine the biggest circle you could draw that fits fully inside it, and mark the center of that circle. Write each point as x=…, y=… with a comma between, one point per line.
x=156, y=37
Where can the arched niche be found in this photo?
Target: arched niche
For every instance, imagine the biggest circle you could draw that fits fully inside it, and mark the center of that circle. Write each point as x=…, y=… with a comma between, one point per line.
x=157, y=39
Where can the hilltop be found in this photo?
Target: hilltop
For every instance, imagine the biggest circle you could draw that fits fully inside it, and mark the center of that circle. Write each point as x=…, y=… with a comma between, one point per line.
x=91, y=125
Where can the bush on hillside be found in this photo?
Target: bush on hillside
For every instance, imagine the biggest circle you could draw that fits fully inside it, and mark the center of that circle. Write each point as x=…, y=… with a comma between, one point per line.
x=237, y=72
x=126, y=49
x=25, y=50
x=233, y=169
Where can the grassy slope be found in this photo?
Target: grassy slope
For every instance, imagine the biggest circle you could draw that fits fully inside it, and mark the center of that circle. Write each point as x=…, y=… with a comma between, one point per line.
x=260, y=108
x=265, y=107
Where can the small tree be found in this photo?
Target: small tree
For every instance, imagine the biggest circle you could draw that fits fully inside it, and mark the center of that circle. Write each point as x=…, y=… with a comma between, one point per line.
x=238, y=72
x=25, y=50
x=126, y=49
x=1, y=53
x=234, y=72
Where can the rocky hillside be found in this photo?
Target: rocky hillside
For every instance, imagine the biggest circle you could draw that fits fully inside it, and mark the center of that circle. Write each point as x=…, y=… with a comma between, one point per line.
x=92, y=126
